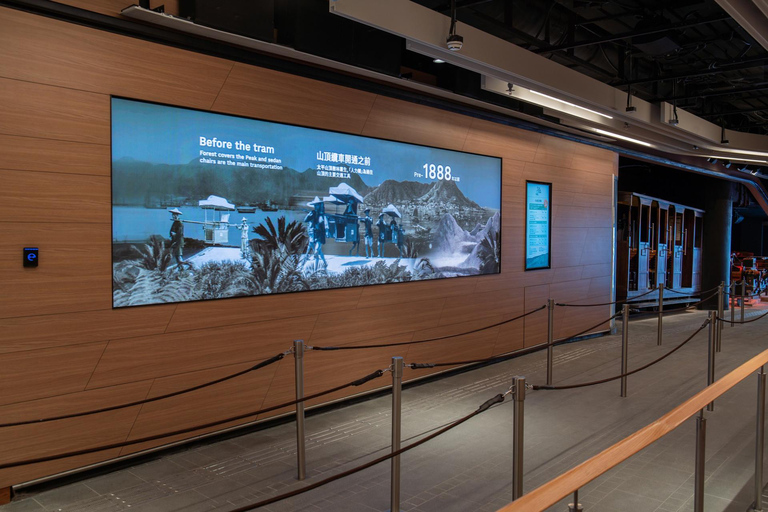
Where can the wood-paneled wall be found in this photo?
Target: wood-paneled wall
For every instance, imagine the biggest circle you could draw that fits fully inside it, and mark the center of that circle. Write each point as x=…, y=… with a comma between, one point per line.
x=65, y=349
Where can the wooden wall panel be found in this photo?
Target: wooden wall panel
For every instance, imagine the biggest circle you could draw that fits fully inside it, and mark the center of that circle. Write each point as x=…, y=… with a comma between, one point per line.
x=67, y=349
x=102, y=62
x=42, y=330
x=49, y=372
x=32, y=154
x=60, y=198
x=173, y=353
x=395, y=120
x=35, y=110
x=70, y=276
x=275, y=96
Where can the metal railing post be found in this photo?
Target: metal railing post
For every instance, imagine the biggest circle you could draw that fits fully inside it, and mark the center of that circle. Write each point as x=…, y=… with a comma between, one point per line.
x=759, y=441
x=550, y=339
x=701, y=448
x=397, y=389
x=301, y=454
x=711, y=356
x=720, y=313
x=743, y=296
x=732, y=289
x=575, y=506
x=661, y=312
x=518, y=437
x=624, y=348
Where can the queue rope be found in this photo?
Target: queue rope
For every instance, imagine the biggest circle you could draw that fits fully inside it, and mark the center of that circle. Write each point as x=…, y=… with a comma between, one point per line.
x=738, y=296
x=253, y=368
x=688, y=293
x=745, y=321
x=571, y=304
x=479, y=329
x=627, y=374
x=669, y=311
x=519, y=353
x=85, y=451
x=484, y=407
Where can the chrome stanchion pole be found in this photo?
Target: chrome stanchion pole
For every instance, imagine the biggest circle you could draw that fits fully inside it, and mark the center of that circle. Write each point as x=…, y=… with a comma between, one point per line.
x=759, y=441
x=720, y=313
x=550, y=338
x=743, y=294
x=301, y=454
x=732, y=293
x=397, y=389
x=701, y=445
x=661, y=312
x=624, y=347
x=575, y=506
x=711, y=357
x=518, y=437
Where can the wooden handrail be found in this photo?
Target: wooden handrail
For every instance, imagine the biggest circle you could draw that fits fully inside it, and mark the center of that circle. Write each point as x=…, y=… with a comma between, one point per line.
x=576, y=478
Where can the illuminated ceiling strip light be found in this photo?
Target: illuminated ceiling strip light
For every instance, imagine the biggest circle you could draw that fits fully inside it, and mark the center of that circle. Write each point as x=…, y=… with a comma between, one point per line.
x=622, y=137
x=737, y=159
x=571, y=104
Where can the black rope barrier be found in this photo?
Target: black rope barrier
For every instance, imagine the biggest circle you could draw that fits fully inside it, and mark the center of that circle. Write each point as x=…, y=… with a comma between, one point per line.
x=255, y=367
x=688, y=293
x=745, y=321
x=85, y=451
x=654, y=314
x=479, y=329
x=738, y=296
x=571, y=304
x=484, y=407
x=627, y=374
x=514, y=355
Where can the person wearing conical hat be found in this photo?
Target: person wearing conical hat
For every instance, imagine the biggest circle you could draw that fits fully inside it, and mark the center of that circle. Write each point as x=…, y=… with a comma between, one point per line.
x=245, y=246
x=368, y=222
x=176, y=235
x=317, y=223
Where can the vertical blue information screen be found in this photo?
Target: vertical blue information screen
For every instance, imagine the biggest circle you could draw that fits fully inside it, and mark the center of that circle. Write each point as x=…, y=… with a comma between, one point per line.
x=538, y=229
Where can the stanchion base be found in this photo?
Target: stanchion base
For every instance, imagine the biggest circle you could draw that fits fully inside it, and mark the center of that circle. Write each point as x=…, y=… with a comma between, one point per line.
x=753, y=509
x=578, y=507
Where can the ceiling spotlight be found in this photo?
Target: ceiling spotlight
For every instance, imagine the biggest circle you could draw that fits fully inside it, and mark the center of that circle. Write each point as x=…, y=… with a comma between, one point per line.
x=438, y=61
x=738, y=219
x=510, y=88
x=754, y=172
x=723, y=140
x=727, y=164
x=712, y=160
x=675, y=120
x=744, y=168
x=630, y=107
x=455, y=42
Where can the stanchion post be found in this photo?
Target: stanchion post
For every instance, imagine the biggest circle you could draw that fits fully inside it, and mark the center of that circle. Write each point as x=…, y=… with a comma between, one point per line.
x=624, y=347
x=575, y=506
x=661, y=312
x=711, y=356
x=701, y=447
x=743, y=296
x=518, y=437
x=720, y=313
x=732, y=293
x=759, y=441
x=550, y=339
x=397, y=388
x=301, y=454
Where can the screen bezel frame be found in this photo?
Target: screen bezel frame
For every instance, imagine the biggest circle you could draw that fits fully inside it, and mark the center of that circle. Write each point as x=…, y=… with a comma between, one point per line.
x=549, y=227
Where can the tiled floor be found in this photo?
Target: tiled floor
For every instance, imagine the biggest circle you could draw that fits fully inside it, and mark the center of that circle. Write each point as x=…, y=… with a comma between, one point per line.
x=470, y=468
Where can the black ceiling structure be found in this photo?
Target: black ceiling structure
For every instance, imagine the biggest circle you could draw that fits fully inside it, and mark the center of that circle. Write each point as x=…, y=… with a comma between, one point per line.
x=689, y=53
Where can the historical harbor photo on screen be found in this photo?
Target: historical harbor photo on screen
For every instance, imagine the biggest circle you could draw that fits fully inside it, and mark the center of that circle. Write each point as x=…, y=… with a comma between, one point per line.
x=208, y=206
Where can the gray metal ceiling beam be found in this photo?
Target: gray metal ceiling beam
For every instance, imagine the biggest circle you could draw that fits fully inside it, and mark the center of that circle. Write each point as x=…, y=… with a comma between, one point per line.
x=729, y=92
x=725, y=68
x=630, y=34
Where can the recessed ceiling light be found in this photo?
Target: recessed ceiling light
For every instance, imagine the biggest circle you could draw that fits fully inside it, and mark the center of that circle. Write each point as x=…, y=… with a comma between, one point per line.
x=438, y=61
x=571, y=104
x=622, y=137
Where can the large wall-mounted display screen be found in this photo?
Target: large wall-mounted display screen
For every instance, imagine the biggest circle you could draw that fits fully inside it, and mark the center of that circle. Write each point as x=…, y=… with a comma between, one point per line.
x=208, y=206
x=538, y=225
